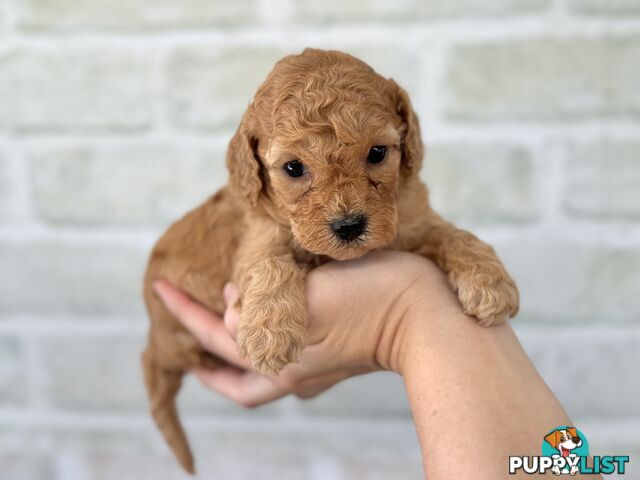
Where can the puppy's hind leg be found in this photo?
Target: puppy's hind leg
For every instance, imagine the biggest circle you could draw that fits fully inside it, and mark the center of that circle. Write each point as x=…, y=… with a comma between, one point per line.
x=162, y=387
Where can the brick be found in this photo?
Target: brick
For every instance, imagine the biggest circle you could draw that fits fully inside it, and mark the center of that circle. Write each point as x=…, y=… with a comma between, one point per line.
x=276, y=452
x=383, y=469
x=65, y=446
x=359, y=10
x=25, y=466
x=210, y=88
x=121, y=14
x=40, y=452
x=307, y=450
x=52, y=277
x=584, y=366
x=544, y=79
x=124, y=185
x=380, y=394
x=482, y=184
x=562, y=282
x=605, y=7
x=615, y=276
x=331, y=451
x=619, y=436
x=93, y=373
x=103, y=373
x=12, y=373
x=3, y=19
x=389, y=60
x=409, y=10
x=602, y=181
x=93, y=89
x=5, y=187
x=221, y=463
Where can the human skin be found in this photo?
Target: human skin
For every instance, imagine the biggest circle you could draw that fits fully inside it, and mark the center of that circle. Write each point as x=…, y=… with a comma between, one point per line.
x=475, y=397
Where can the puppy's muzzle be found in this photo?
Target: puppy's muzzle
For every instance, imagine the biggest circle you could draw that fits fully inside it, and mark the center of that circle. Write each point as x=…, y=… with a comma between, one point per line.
x=349, y=227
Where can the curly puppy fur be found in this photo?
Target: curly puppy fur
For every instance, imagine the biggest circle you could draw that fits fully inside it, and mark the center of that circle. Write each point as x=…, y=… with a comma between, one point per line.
x=265, y=229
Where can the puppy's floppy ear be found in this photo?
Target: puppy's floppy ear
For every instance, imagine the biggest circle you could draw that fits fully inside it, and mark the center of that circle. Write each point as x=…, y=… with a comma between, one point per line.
x=573, y=431
x=552, y=439
x=242, y=159
x=411, y=142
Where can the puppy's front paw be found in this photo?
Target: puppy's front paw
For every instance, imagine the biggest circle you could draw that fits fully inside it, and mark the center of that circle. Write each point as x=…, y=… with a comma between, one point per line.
x=270, y=343
x=490, y=296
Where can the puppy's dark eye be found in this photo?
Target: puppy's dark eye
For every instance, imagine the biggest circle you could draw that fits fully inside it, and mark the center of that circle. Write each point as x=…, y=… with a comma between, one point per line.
x=294, y=168
x=377, y=154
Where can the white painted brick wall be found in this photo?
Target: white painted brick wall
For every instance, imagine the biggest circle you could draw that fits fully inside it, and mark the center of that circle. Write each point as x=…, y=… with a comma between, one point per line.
x=114, y=119
x=50, y=88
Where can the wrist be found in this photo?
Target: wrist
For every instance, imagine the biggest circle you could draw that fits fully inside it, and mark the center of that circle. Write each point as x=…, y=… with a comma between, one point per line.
x=417, y=315
x=410, y=339
x=402, y=326
x=405, y=337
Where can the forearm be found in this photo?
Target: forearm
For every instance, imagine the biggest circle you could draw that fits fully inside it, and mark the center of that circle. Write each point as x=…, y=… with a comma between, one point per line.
x=475, y=397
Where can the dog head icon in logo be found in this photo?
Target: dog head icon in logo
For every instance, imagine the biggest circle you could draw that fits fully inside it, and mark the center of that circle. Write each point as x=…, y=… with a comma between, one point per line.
x=564, y=440
x=567, y=443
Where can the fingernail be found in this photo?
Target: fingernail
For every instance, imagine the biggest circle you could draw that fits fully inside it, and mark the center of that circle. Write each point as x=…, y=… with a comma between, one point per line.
x=227, y=291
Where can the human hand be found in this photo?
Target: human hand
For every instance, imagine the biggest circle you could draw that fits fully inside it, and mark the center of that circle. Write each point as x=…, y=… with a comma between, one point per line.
x=356, y=313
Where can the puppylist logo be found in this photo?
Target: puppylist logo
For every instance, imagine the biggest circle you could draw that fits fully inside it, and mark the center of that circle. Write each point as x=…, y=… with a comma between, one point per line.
x=565, y=451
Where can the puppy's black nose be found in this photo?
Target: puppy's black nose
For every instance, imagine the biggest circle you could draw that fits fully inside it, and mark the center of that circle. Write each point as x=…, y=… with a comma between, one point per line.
x=349, y=227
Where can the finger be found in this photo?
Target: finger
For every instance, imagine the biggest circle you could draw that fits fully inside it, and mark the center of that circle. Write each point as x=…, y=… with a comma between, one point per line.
x=232, y=313
x=315, y=386
x=205, y=325
x=246, y=388
x=232, y=321
x=231, y=294
x=180, y=304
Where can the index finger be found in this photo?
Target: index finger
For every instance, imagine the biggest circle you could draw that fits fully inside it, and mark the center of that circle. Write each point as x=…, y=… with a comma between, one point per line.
x=205, y=325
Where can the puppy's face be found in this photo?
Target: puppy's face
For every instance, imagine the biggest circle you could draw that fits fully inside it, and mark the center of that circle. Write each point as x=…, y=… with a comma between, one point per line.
x=564, y=440
x=325, y=146
x=339, y=186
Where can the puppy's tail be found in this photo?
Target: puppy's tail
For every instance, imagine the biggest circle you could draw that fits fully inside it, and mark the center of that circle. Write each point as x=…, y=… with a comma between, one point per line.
x=162, y=387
